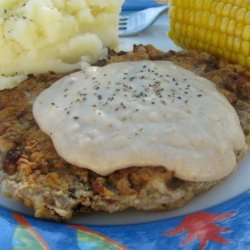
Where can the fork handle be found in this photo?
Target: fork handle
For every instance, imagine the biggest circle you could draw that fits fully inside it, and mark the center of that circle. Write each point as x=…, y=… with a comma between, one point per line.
x=159, y=10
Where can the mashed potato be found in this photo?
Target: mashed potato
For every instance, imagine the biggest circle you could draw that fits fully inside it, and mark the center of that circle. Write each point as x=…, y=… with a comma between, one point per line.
x=38, y=36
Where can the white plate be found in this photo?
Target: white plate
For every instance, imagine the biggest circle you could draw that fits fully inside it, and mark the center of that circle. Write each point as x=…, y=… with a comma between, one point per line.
x=229, y=188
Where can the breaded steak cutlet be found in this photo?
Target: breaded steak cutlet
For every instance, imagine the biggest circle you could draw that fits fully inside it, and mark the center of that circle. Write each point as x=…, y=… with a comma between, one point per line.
x=33, y=172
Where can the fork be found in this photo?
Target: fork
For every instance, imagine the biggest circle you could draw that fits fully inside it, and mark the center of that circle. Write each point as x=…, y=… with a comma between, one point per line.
x=136, y=22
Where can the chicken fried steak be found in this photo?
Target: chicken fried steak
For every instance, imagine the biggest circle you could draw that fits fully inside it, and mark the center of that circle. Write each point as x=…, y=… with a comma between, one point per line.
x=32, y=171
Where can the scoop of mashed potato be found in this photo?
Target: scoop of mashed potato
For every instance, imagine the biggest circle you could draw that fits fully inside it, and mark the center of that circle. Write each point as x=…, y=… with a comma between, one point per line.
x=37, y=36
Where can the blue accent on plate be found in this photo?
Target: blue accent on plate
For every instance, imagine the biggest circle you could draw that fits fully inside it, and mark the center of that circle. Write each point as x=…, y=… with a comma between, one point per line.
x=130, y=5
x=225, y=226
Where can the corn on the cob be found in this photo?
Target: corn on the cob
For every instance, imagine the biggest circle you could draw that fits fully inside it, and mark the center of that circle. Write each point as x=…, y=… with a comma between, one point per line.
x=221, y=27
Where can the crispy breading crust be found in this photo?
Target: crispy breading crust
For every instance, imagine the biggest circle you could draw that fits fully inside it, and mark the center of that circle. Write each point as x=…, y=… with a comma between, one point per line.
x=34, y=173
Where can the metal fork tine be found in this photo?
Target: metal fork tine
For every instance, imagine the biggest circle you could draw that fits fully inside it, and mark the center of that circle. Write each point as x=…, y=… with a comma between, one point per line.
x=123, y=28
x=123, y=18
x=139, y=21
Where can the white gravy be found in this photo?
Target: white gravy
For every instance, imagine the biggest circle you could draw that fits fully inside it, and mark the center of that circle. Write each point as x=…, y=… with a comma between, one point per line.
x=147, y=113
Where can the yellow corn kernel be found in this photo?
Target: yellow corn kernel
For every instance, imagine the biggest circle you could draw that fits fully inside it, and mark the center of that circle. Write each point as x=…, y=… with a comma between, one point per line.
x=230, y=43
x=190, y=31
x=224, y=25
x=213, y=7
x=183, y=30
x=239, y=29
x=246, y=33
x=227, y=9
x=218, y=23
x=212, y=21
x=179, y=14
x=232, y=2
x=227, y=54
x=247, y=18
x=240, y=15
x=233, y=12
x=231, y=27
x=202, y=35
x=241, y=59
x=208, y=36
x=219, y=8
x=236, y=44
x=245, y=4
x=178, y=3
x=198, y=5
x=238, y=2
x=207, y=4
x=191, y=17
x=198, y=18
x=215, y=39
x=248, y=61
x=178, y=28
x=204, y=18
x=233, y=57
x=172, y=14
x=222, y=41
x=245, y=48
x=186, y=4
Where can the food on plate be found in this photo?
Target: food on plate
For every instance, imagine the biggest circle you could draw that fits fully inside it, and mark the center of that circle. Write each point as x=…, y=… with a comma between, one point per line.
x=143, y=113
x=219, y=27
x=33, y=171
x=43, y=36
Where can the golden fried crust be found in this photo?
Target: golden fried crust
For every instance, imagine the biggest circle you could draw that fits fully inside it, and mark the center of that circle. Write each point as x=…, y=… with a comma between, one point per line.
x=34, y=173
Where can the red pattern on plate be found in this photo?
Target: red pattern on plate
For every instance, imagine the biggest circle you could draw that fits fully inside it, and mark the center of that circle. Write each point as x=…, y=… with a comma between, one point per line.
x=201, y=225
